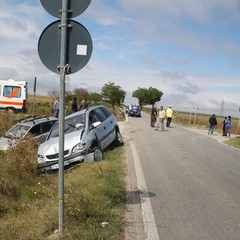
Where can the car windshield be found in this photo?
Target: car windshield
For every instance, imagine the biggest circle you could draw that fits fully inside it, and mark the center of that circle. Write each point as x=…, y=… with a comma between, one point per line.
x=71, y=124
x=17, y=131
x=135, y=108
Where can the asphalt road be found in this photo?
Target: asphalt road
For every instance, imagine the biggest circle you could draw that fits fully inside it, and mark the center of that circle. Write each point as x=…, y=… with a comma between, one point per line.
x=192, y=184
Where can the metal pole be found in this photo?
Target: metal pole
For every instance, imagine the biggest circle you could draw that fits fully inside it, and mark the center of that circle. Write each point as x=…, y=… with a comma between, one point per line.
x=34, y=95
x=239, y=121
x=63, y=66
x=195, y=116
x=190, y=119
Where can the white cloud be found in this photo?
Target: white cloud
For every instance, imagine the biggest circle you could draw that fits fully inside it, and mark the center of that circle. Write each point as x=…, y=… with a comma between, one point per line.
x=177, y=46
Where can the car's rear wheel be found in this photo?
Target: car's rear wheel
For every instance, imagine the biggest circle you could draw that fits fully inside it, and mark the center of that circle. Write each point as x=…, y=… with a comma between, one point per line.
x=119, y=138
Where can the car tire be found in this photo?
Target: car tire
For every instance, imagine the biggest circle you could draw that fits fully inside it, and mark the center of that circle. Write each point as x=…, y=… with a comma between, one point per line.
x=10, y=110
x=97, y=153
x=119, y=138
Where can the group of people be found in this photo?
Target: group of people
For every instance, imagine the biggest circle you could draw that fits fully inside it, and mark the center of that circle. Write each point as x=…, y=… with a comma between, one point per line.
x=83, y=105
x=74, y=106
x=160, y=116
x=226, y=125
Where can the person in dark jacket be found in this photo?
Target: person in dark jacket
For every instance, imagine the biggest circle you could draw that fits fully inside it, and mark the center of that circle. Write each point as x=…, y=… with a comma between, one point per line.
x=153, y=115
x=213, y=123
x=224, y=126
x=74, y=107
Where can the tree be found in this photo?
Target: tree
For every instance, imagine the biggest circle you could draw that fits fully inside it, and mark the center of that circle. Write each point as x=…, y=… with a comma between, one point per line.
x=81, y=94
x=113, y=94
x=68, y=96
x=54, y=94
x=147, y=96
x=95, y=97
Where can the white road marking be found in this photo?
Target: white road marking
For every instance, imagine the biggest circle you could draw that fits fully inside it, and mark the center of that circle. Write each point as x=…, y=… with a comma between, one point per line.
x=148, y=217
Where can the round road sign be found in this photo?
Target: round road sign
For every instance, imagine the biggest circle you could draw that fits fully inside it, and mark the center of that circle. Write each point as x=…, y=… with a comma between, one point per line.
x=76, y=7
x=79, y=46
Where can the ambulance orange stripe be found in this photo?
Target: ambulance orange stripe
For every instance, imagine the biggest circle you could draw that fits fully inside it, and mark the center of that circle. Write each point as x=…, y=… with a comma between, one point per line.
x=14, y=93
x=12, y=103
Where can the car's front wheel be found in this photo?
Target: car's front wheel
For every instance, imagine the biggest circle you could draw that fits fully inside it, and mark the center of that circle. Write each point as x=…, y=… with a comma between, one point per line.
x=97, y=154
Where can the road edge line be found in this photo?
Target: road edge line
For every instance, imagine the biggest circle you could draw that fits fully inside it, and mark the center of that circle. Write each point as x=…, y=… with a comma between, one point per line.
x=149, y=223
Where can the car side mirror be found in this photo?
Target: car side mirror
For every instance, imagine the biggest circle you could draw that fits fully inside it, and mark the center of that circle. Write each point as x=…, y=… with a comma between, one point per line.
x=79, y=125
x=96, y=124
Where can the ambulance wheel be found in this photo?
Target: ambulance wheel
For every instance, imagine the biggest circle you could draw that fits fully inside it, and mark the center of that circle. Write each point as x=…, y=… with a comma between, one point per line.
x=10, y=110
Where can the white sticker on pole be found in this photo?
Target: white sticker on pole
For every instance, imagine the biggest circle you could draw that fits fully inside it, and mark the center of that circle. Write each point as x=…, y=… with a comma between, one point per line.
x=81, y=49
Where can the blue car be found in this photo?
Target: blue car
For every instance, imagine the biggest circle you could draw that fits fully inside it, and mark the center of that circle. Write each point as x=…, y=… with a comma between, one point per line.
x=134, y=112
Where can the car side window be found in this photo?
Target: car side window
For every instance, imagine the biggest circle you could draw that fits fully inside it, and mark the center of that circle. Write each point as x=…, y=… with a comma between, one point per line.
x=92, y=117
x=106, y=112
x=46, y=126
x=100, y=114
x=35, y=130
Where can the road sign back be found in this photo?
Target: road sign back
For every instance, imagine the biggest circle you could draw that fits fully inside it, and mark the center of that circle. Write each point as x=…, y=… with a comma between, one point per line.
x=76, y=7
x=79, y=46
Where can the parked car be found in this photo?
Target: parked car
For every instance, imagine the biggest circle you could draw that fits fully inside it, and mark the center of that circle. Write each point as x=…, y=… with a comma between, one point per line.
x=37, y=126
x=134, y=112
x=87, y=133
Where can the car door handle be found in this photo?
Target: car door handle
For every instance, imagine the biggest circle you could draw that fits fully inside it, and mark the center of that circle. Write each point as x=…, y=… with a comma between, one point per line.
x=104, y=128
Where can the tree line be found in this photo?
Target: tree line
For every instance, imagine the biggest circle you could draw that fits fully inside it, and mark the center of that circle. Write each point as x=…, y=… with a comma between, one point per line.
x=113, y=94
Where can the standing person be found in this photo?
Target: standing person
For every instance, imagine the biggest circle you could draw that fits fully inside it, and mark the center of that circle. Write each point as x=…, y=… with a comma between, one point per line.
x=130, y=107
x=224, y=126
x=153, y=115
x=83, y=105
x=213, y=123
x=56, y=107
x=169, y=114
x=161, y=116
x=74, y=107
x=228, y=126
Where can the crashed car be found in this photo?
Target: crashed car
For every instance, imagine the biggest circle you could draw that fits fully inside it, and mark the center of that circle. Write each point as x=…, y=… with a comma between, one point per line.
x=87, y=133
x=36, y=126
x=134, y=112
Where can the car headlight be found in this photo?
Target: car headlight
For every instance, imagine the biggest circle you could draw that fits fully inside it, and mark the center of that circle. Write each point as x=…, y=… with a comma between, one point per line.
x=79, y=147
x=40, y=159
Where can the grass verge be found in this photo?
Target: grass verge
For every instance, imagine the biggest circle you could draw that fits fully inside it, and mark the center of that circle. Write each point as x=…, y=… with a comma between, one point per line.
x=94, y=199
x=234, y=142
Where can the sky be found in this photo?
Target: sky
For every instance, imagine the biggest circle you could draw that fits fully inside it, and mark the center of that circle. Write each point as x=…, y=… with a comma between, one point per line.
x=188, y=49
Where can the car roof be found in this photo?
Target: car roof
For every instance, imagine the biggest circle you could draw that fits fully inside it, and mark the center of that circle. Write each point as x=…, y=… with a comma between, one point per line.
x=83, y=111
x=33, y=120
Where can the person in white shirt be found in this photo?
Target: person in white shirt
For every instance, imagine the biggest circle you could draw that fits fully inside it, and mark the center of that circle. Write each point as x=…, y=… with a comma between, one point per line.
x=161, y=116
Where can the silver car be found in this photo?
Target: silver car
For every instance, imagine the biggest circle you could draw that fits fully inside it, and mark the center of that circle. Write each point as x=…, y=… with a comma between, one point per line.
x=37, y=126
x=87, y=133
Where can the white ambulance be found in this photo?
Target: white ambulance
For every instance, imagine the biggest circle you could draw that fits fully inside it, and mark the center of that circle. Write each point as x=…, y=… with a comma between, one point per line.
x=13, y=95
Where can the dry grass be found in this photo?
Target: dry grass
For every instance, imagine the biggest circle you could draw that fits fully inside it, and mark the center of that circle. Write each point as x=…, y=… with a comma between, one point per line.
x=94, y=193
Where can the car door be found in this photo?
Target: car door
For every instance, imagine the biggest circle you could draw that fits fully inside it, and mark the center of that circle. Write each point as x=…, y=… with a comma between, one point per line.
x=100, y=131
x=109, y=124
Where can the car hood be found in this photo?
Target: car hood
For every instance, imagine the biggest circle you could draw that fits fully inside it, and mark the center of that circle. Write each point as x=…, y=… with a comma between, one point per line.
x=6, y=143
x=52, y=146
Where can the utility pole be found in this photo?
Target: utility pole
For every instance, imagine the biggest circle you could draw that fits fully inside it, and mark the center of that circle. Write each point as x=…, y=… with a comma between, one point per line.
x=222, y=108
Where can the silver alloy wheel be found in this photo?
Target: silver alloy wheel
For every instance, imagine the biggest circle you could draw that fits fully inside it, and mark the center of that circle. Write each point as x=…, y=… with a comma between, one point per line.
x=98, y=155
